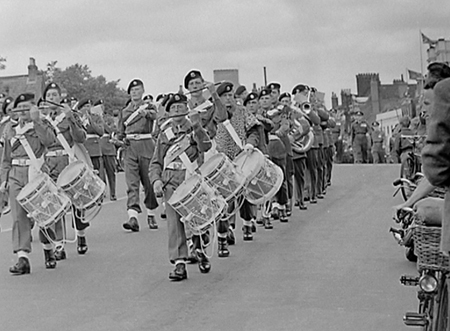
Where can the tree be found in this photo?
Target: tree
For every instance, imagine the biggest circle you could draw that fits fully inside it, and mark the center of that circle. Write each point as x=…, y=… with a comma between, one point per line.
x=77, y=81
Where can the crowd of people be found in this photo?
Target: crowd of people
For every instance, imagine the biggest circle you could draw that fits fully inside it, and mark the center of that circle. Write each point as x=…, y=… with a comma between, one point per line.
x=165, y=142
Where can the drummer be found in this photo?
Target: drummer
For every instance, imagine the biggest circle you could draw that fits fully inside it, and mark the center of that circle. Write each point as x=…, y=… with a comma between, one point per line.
x=7, y=105
x=227, y=145
x=68, y=122
x=167, y=172
x=15, y=170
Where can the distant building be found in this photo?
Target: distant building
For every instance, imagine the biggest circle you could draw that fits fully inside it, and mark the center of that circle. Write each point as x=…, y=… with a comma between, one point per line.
x=439, y=51
x=32, y=82
x=230, y=75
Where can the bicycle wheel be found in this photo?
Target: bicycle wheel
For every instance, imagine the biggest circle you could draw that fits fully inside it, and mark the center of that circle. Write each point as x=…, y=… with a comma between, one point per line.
x=441, y=318
x=407, y=172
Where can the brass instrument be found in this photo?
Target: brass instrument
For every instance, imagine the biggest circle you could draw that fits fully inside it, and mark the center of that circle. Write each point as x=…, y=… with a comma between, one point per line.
x=300, y=143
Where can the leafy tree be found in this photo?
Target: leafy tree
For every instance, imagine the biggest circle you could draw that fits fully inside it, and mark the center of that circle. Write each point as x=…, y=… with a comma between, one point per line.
x=77, y=81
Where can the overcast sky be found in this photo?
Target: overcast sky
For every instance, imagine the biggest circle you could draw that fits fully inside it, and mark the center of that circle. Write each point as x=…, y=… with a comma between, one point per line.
x=323, y=43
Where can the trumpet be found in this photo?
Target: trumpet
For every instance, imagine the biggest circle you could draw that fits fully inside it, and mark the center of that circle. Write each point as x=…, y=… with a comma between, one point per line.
x=304, y=109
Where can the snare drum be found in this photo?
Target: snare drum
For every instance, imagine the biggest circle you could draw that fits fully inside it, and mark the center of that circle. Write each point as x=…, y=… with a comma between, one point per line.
x=221, y=174
x=82, y=185
x=43, y=201
x=263, y=177
x=197, y=203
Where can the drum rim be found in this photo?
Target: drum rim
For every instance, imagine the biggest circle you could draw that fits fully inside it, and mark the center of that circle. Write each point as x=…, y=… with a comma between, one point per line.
x=255, y=170
x=186, y=197
x=40, y=185
x=75, y=179
x=222, y=159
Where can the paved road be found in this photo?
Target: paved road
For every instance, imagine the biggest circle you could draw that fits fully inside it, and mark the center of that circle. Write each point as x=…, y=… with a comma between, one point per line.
x=332, y=267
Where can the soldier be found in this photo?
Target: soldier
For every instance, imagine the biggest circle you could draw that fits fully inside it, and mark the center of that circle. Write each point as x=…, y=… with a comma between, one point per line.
x=57, y=158
x=402, y=145
x=167, y=172
x=378, y=143
x=16, y=171
x=93, y=124
x=359, y=134
x=135, y=129
x=240, y=94
x=109, y=149
x=275, y=90
x=328, y=152
x=337, y=134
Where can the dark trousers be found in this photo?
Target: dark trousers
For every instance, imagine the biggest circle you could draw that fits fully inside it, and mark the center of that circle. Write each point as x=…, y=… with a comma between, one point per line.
x=282, y=194
x=289, y=176
x=311, y=165
x=329, y=161
x=136, y=172
x=246, y=212
x=299, y=176
x=109, y=161
x=97, y=162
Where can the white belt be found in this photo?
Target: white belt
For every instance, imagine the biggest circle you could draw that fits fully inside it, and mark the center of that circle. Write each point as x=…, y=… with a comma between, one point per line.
x=139, y=136
x=106, y=135
x=176, y=166
x=59, y=152
x=273, y=137
x=89, y=135
x=21, y=162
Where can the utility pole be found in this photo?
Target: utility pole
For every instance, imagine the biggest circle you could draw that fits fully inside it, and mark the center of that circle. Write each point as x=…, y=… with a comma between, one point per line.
x=265, y=76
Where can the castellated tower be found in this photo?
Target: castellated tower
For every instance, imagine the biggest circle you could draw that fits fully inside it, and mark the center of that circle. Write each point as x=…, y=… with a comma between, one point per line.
x=363, y=83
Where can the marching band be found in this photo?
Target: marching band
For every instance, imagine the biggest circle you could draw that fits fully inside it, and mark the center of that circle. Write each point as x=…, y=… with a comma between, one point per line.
x=206, y=153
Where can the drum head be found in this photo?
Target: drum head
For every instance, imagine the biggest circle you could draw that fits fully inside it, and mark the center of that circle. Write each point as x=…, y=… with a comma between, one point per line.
x=250, y=164
x=184, y=189
x=32, y=186
x=71, y=172
x=212, y=164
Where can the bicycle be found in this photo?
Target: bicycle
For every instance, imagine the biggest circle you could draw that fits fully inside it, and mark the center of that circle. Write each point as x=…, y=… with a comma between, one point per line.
x=433, y=279
x=411, y=165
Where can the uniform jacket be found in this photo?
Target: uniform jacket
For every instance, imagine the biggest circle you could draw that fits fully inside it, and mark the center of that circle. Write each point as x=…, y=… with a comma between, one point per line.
x=257, y=128
x=94, y=127
x=377, y=138
x=110, y=128
x=213, y=115
x=317, y=128
x=72, y=130
x=199, y=143
x=436, y=152
x=359, y=129
x=40, y=137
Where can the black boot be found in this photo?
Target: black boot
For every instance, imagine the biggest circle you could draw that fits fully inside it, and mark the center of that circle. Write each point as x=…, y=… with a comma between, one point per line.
x=22, y=267
x=179, y=273
x=132, y=224
x=82, y=246
x=60, y=254
x=203, y=262
x=152, y=222
x=231, y=239
x=268, y=224
x=283, y=216
x=247, y=230
x=50, y=260
x=223, y=247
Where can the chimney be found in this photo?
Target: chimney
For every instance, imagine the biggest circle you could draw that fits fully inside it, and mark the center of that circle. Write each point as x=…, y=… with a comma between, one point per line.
x=32, y=70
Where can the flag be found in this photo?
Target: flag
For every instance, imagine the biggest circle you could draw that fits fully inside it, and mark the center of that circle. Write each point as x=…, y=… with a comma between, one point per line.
x=427, y=40
x=414, y=75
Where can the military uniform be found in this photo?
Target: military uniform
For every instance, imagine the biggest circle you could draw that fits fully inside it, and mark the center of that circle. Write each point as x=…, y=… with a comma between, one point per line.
x=328, y=151
x=109, y=153
x=336, y=136
x=170, y=169
x=135, y=128
x=378, y=140
x=15, y=170
x=359, y=131
x=402, y=145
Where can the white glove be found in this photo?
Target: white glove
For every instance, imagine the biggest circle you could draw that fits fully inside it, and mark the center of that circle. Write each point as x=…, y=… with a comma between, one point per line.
x=248, y=148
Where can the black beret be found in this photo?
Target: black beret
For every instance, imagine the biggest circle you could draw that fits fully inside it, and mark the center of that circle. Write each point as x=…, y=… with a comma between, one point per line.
x=284, y=95
x=224, y=87
x=84, y=102
x=299, y=88
x=166, y=98
x=176, y=98
x=264, y=92
x=375, y=123
x=359, y=113
x=159, y=97
x=51, y=86
x=99, y=102
x=190, y=76
x=63, y=101
x=241, y=89
x=6, y=103
x=148, y=97
x=313, y=90
x=2, y=95
x=250, y=96
x=23, y=98
x=274, y=86
x=133, y=83
x=73, y=99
